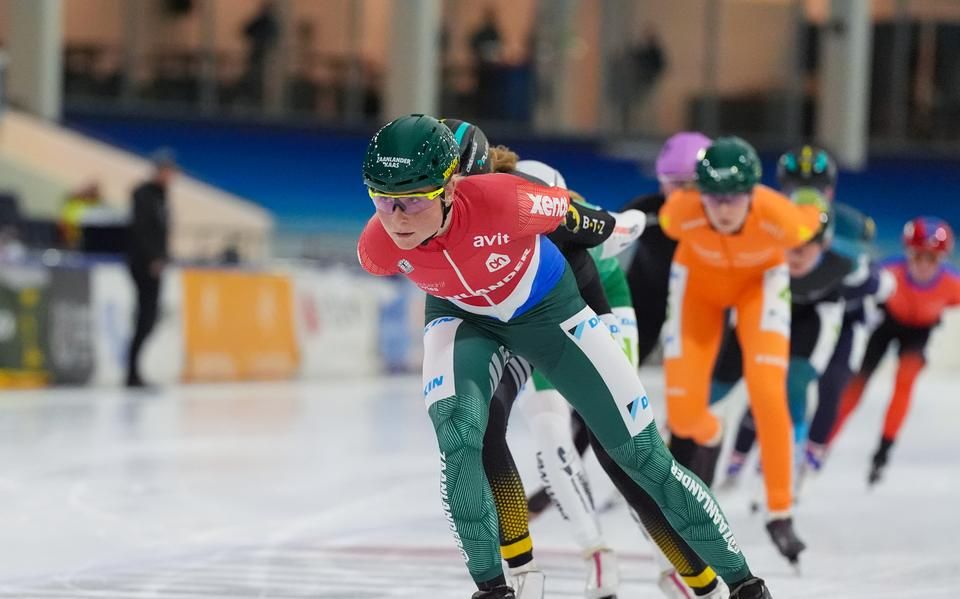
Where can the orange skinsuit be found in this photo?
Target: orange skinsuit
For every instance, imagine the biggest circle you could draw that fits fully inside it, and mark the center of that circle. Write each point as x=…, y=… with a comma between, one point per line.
x=747, y=271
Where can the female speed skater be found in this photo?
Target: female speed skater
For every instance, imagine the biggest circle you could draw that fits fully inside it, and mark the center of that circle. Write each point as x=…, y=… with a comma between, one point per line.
x=548, y=414
x=926, y=286
x=733, y=234
x=515, y=294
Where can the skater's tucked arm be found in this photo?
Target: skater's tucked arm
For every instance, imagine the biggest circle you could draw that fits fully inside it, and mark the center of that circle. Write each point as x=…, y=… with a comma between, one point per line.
x=584, y=226
x=790, y=223
x=867, y=280
x=630, y=224
x=681, y=214
x=523, y=207
x=587, y=226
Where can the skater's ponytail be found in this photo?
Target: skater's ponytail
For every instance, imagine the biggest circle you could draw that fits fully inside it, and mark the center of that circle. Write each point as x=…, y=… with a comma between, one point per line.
x=504, y=159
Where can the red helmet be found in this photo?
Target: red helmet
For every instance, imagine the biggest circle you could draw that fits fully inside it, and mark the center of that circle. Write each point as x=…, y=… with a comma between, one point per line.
x=927, y=233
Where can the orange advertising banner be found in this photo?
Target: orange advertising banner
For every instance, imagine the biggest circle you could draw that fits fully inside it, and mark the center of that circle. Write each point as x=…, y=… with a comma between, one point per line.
x=238, y=325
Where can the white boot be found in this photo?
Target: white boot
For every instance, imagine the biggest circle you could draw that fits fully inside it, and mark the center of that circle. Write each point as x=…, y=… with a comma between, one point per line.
x=561, y=469
x=673, y=587
x=669, y=581
x=721, y=592
x=528, y=581
x=603, y=574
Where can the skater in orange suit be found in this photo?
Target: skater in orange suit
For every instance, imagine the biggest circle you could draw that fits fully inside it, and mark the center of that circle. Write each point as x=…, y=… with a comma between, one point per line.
x=926, y=286
x=733, y=234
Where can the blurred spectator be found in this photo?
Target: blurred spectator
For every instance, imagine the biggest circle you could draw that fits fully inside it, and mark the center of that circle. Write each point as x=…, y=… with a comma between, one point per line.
x=487, y=46
x=305, y=48
x=645, y=63
x=10, y=210
x=303, y=86
x=147, y=252
x=262, y=33
x=230, y=256
x=71, y=214
x=486, y=42
x=11, y=247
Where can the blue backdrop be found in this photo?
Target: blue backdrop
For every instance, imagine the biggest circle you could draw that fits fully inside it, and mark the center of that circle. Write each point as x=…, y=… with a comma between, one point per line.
x=310, y=178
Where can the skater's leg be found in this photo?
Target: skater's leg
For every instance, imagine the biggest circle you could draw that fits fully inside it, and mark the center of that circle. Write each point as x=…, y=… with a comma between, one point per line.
x=829, y=387
x=765, y=342
x=516, y=546
x=691, y=341
x=561, y=470
x=911, y=363
x=694, y=572
x=581, y=435
x=814, y=337
x=799, y=376
x=580, y=358
x=746, y=434
x=908, y=370
x=565, y=481
x=457, y=367
x=913, y=344
x=876, y=348
x=763, y=326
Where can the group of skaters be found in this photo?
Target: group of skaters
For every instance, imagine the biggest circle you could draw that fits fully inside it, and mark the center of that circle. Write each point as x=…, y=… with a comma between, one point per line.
x=528, y=305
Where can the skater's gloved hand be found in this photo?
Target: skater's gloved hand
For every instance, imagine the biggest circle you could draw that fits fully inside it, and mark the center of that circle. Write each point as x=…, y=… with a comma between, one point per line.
x=630, y=224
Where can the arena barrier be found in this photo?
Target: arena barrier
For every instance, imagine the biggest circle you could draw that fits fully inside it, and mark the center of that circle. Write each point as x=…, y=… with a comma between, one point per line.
x=72, y=326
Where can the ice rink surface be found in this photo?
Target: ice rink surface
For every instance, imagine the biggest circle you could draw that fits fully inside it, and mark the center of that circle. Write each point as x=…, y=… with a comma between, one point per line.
x=330, y=490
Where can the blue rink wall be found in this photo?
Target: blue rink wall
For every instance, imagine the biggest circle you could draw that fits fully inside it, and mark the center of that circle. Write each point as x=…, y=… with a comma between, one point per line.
x=310, y=178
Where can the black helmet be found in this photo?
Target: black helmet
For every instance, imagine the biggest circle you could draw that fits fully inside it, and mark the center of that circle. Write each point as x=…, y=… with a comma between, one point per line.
x=474, y=147
x=806, y=166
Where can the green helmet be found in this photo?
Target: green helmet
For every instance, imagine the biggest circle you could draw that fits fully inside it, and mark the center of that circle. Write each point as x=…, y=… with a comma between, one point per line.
x=728, y=165
x=410, y=153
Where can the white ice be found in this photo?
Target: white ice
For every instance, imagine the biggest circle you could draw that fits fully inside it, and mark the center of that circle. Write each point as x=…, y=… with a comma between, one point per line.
x=330, y=490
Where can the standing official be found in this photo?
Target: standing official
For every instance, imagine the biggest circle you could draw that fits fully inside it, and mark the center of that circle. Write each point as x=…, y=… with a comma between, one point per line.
x=147, y=252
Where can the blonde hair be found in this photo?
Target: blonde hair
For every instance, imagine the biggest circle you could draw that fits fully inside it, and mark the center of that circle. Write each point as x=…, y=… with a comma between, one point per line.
x=503, y=159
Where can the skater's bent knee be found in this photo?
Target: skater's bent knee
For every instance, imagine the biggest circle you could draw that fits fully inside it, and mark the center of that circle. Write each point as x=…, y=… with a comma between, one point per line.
x=460, y=422
x=635, y=455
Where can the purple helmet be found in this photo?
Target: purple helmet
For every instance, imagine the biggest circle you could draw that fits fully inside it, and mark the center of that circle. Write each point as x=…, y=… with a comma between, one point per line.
x=678, y=156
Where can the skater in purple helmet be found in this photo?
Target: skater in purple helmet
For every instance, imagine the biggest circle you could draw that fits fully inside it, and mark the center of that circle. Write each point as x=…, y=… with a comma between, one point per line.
x=649, y=270
x=677, y=161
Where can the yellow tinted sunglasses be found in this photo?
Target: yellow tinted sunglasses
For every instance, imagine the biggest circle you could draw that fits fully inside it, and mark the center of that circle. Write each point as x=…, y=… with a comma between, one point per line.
x=427, y=195
x=411, y=203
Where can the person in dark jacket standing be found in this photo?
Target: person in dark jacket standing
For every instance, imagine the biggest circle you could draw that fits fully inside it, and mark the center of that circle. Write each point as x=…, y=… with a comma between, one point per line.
x=147, y=253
